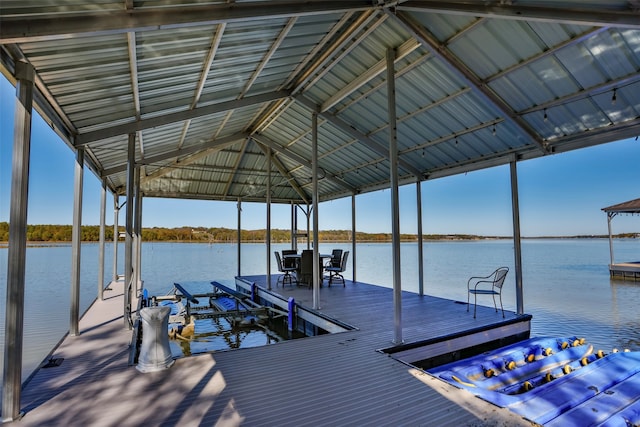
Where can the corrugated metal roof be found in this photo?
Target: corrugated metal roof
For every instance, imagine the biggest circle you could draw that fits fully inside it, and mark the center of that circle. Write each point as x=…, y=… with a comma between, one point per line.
x=208, y=87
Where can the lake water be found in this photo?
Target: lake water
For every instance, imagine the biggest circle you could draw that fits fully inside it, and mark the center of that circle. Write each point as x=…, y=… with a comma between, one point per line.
x=566, y=281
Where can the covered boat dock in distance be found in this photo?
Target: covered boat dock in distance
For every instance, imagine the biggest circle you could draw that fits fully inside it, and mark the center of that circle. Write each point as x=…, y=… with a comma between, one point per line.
x=298, y=103
x=629, y=270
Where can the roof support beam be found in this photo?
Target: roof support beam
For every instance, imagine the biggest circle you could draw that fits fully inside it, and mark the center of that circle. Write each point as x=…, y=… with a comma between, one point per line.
x=267, y=57
x=277, y=108
x=218, y=168
x=593, y=17
x=89, y=137
x=628, y=129
x=256, y=73
x=235, y=168
x=135, y=87
x=379, y=68
x=321, y=46
x=195, y=196
x=381, y=85
x=325, y=60
x=213, y=50
x=426, y=108
x=548, y=52
x=43, y=100
x=207, y=147
x=318, y=58
x=349, y=40
x=586, y=93
x=133, y=68
x=353, y=132
x=299, y=159
x=439, y=50
x=469, y=166
x=422, y=146
x=285, y=173
x=21, y=29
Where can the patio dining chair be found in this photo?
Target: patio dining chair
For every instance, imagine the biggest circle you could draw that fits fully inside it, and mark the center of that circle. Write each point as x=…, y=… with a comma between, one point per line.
x=306, y=267
x=287, y=276
x=289, y=262
x=336, y=258
x=489, y=285
x=335, y=273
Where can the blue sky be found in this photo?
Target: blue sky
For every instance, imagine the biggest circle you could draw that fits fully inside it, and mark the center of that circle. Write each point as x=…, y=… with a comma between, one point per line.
x=560, y=195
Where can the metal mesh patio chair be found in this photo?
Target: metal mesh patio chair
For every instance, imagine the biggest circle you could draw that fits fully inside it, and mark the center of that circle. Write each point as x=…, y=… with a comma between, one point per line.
x=495, y=280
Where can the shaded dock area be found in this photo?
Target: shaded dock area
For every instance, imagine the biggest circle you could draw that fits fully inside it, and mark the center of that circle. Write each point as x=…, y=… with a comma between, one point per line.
x=333, y=379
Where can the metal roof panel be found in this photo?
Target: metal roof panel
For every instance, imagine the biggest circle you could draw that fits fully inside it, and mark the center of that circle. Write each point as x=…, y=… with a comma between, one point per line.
x=460, y=74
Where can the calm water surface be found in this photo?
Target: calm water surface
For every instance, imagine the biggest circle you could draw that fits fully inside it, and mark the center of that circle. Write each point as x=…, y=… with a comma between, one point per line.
x=566, y=281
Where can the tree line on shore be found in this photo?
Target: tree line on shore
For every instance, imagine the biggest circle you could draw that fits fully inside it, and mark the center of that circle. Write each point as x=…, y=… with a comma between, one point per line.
x=91, y=233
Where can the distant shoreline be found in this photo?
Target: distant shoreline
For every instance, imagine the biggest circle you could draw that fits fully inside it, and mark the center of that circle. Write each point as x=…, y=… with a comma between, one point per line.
x=448, y=238
x=49, y=234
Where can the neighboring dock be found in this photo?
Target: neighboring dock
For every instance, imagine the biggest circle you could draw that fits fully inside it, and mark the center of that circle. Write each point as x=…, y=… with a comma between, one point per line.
x=625, y=271
x=334, y=379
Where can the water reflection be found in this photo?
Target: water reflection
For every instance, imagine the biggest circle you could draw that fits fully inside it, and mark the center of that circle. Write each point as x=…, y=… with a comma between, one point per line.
x=221, y=334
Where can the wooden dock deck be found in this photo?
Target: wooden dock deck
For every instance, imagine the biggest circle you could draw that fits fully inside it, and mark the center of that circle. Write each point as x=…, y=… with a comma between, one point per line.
x=337, y=379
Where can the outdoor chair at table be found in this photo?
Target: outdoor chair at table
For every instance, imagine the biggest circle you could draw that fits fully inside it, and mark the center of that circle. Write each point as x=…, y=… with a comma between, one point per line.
x=336, y=257
x=288, y=260
x=306, y=268
x=335, y=273
x=287, y=276
x=491, y=285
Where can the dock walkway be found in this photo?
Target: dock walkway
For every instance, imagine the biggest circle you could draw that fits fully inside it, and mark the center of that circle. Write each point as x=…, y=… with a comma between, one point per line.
x=329, y=380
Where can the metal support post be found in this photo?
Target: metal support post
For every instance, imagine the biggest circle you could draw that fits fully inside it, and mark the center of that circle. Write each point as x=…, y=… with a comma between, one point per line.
x=138, y=232
x=17, y=251
x=103, y=211
x=239, y=233
x=314, y=178
x=353, y=236
x=76, y=241
x=308, y=213
x=420, y=252
x=395, y=199
x=610, y=216
x=128, y=243
x=116, y=235
x=293, y=230
x=268, y=218
x=517, y=247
